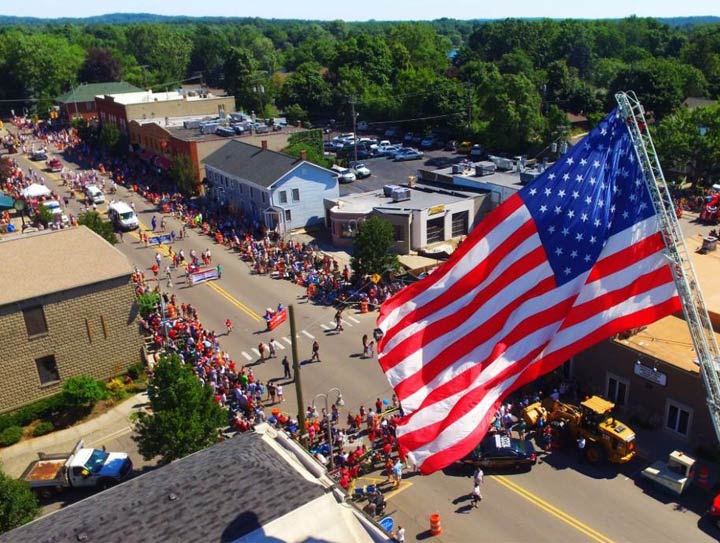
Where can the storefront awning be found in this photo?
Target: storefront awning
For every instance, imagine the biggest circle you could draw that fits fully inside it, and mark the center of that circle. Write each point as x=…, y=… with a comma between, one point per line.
x=6, y=202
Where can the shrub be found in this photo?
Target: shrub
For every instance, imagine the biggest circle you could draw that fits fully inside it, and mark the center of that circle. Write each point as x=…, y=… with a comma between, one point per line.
x=10, y=436
x=41, y=409
x=136, y=370
x=147, y=303
x=43, y=427
x=83, y=391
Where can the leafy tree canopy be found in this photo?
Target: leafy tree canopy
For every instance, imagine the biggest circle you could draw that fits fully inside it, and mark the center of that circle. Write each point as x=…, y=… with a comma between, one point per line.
x=372, y=248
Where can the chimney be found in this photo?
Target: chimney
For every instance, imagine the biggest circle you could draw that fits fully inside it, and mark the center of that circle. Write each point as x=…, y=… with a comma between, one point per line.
x=263, y=145
x=303, y=155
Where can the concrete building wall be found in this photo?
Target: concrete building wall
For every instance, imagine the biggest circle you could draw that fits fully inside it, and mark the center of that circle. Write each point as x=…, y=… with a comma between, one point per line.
x=91, y=330
x=644, y=399
x=444, y=212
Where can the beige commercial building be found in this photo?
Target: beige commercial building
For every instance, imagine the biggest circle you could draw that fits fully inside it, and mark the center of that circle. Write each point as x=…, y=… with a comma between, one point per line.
x=67, y=308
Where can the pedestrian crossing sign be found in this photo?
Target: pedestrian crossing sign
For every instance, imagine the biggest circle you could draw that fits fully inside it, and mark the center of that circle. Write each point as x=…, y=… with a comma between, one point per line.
x=375, y=278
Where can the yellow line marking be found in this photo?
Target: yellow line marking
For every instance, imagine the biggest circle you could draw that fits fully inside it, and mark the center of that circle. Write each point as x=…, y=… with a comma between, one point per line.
x=554, y=511
x=241, y=306
x=404, y=485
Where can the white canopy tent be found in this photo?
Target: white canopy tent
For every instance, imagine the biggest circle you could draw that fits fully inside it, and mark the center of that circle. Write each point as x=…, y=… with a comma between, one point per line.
x=36, y=190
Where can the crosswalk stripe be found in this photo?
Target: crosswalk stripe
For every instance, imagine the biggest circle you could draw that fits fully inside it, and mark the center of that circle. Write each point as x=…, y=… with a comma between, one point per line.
x=256, y=351
x=325, y=327
x=280, y=345
x=353, y=319
x=247, y=356
x=287, y=340
x=308, y=334
x=346, y=323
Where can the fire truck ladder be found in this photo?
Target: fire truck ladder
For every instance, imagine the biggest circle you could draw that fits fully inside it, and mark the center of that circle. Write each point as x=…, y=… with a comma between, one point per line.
x=696, y=314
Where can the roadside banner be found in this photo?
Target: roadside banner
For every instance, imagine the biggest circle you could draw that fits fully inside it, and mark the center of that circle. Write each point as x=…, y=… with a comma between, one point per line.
x=159, y=240
x=208, y=274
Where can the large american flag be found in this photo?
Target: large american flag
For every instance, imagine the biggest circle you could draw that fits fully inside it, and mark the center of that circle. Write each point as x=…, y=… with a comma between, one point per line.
x=571, y=259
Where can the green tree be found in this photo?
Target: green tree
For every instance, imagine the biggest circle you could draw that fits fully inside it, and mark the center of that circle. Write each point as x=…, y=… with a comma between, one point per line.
x=311, y=143
x=100, y=66
x=18, y=504
x=307, y=88
x=83, y=391
x=110, y=138
x=94, y=221
x=372, y=248
x=240, y=81
x=182, y=173
x=185, y=417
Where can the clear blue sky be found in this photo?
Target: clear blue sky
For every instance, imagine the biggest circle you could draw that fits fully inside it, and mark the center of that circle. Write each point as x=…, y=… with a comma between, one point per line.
x=354, y=10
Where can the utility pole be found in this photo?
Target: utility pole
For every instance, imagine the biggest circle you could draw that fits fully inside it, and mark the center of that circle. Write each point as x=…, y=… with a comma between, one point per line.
x=354, y=122
x=296, y=375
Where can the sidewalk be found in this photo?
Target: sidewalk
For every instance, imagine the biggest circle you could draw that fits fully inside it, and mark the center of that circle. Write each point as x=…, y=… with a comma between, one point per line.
x=95, y=432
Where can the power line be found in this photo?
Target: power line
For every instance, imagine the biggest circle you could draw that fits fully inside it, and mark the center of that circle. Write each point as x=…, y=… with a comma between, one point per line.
x=461, y=113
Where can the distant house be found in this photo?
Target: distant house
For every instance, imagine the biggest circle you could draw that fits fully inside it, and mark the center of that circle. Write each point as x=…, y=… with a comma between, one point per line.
x=80, y=101
x=577, y=121
x=273, y=188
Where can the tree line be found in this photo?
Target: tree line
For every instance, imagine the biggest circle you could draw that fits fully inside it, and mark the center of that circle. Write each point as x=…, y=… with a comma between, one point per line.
x=507, y=84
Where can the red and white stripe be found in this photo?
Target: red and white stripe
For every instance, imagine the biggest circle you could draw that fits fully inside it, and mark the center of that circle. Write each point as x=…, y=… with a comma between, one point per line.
x=493, y=319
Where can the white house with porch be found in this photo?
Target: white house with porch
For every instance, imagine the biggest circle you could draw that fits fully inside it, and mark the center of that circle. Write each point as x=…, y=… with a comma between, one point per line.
x=272, y=188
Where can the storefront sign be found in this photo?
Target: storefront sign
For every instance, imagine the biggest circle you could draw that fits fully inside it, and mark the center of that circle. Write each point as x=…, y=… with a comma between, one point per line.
x=203, y=275
x=650, y=374
x=436, y=209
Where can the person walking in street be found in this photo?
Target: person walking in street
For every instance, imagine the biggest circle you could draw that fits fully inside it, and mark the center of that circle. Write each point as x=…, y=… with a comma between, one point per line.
x=162, y=224
x=371, y=349
x=476, y=496
x=153, y=223
x=399, y=535
x=338, y=321
x=158, y=258
x=219, y=271
x=365, y=345
x=479, y=477
x=581, y=449
x=261, y=350
x=315, y=352
x=228, y=326
x=279, y=392
x=286, y=367
x=272, y=347
x=397, y=471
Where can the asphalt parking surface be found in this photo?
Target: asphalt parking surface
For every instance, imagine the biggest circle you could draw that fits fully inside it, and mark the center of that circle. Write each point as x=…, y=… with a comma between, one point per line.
x=387, y=171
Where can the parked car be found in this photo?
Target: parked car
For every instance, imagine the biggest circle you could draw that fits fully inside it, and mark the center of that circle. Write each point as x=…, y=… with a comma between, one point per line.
x=477, y=151
x=464, y=147
x=54, y=165
x=261, y=128
x=58, y=216
x=398, y=150
x=410, y=154
x=387, y=150
x=451, y=145
x=408, y=137
x=346, y=176
x=361, y=171
x=427, y=142
x=502, y=452
x=225, y=131
x=392, y=132
x=38, y=155
x=94, y=194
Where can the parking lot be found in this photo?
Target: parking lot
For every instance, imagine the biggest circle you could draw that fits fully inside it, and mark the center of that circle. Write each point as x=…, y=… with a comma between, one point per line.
x=386, y=171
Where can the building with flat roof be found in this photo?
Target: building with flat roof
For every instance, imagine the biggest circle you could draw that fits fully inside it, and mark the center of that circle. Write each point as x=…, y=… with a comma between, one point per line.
x=120, y=109
x=421, y=214
x=256, y=487
x=67, y=307
x=80, y=100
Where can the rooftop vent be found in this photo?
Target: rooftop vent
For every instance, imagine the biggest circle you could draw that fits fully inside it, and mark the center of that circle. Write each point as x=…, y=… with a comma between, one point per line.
x=400, y=194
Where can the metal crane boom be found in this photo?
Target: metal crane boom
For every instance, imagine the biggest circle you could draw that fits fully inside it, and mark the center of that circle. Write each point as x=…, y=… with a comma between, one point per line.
x=696, y=314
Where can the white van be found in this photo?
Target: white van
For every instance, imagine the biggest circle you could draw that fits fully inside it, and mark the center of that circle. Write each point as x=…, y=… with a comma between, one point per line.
x=94, y=194
x=122, y=216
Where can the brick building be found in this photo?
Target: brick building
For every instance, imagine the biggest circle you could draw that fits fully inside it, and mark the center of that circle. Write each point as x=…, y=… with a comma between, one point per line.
x=67, y=308
x=120, y=109
x=80, y=101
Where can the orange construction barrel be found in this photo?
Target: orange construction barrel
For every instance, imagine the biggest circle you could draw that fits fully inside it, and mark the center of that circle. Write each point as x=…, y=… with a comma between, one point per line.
x=703, y=477
x=435, y=527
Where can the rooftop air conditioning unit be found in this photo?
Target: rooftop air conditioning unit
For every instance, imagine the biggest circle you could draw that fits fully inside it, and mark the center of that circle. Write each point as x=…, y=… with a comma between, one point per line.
x=482, y=170
x=400, y=194
x=388, y=190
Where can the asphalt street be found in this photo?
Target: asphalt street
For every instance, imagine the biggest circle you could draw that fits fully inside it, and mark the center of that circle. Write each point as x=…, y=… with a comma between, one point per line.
x=558, y=501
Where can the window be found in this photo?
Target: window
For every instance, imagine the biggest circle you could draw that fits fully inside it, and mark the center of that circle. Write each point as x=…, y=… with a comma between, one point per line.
x=399, y=232
x=617, y=389
x=35, y=322
x=295, y=195
x=47, y=370
x=288, y=215
x=264, y=196
x=436, y=230
x=283, y=197
x=678, y=417
x=459, y=224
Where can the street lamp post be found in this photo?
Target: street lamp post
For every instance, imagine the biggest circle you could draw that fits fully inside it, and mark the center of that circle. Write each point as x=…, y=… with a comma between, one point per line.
x=19, y=206
x=338, y=402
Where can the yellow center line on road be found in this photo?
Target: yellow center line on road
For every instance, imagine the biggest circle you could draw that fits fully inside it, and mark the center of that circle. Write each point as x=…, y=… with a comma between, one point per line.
x=554, y=511
x=165, y=251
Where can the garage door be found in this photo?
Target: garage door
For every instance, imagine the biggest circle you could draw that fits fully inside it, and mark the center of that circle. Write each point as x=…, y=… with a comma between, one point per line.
x=459, y=224
x=436, y=230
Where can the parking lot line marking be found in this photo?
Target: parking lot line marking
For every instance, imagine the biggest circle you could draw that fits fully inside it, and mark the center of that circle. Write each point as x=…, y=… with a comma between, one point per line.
x=308, y=334
x=554, y=511
x=325, y=327
x=353, y=319
x=255, y=351
x=247, y=356
x=287, y=340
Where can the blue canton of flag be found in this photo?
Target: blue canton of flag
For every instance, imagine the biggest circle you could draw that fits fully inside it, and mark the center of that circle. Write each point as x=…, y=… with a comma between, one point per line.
x=595, y=190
